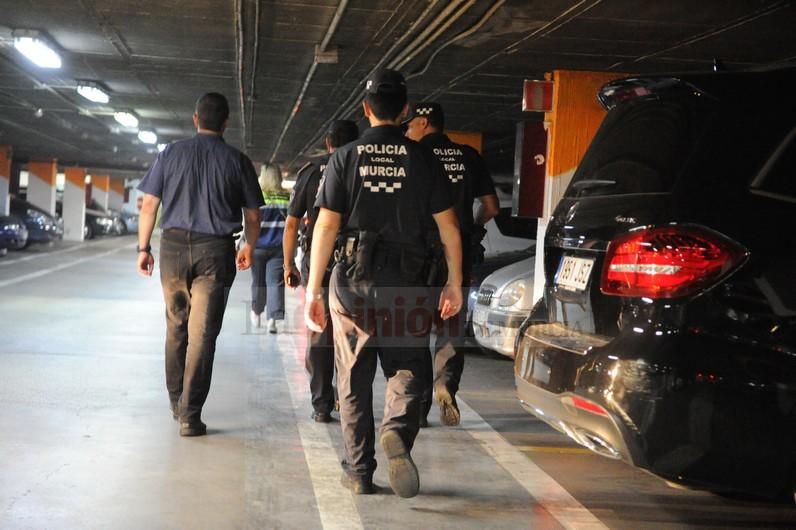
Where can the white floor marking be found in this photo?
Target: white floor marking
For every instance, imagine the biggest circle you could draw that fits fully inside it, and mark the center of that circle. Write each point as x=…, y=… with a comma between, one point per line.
x=43, y=272
x=336, y=505
x=541, y=486
x=12, y=261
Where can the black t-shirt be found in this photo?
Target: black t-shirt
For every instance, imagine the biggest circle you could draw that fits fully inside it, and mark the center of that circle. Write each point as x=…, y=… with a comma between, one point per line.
x=385, y=183
x=302, y=198
x=467, y=173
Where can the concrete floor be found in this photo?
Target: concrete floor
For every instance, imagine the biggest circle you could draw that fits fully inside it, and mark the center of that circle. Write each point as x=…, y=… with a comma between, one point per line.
x=87, y=440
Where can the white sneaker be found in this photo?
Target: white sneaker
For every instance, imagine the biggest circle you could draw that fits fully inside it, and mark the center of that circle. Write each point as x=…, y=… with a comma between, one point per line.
x=255, y=319
x=271, y=325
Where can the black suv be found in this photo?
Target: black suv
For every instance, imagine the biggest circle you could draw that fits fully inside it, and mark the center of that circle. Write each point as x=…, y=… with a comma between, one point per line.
x=666, y=336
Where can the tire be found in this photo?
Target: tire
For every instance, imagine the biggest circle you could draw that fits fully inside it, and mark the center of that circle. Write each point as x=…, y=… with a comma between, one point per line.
x=88, y=232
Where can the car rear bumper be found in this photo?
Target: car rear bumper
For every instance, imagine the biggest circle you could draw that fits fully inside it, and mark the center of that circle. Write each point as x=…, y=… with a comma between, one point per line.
x=646, y=400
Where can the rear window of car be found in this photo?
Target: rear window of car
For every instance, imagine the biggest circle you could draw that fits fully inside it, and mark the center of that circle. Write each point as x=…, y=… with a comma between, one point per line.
x=778, y=177
x=641, y=147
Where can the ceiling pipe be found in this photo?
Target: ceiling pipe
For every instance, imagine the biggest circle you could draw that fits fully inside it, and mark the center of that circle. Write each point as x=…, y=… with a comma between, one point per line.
x=239, y=61
x=330, y=31
x=253, y=84
x=464, y=8
x=559, y=21
x=475, y=27
x=347, y=106
x=425, y=36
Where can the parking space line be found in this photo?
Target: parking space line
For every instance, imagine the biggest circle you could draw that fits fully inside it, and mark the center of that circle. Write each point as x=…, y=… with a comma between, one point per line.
x=6, y=262
x=43, y=272
x=336, y=505
x=542, y=487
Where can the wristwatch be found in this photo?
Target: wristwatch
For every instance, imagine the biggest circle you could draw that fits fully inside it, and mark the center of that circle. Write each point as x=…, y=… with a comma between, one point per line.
x=147, y=249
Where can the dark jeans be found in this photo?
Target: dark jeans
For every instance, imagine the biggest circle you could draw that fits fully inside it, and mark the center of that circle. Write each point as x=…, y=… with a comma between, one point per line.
x=268, y=283
x=196, y=272
x=382, y=320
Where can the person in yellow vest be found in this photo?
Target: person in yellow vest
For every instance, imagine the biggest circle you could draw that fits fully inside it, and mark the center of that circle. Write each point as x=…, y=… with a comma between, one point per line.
x=268, y=285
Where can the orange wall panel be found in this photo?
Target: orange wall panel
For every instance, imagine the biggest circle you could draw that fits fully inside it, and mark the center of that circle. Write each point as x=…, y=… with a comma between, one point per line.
x=5, y=161
x=76, y=176
x=117, y=185
x=575, y=117
x=101, y=182
x=44, y=170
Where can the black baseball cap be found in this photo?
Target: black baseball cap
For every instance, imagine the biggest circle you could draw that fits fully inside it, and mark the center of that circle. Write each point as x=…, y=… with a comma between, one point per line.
x=386, y=81
x=425, y=109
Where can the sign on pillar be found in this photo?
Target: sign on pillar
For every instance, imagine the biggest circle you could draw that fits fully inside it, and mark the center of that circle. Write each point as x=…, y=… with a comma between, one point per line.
x=116, y=194
x=5, y=177
x=100, y=187
x=41, y=184
x=74, y=205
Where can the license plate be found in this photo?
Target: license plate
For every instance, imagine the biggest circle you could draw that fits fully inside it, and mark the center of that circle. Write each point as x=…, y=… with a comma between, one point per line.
x=573, y=273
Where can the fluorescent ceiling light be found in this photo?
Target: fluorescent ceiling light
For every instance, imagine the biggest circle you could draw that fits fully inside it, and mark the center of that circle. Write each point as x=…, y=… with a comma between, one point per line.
x=35, y=47
x=161, y=147
x=148, y=137
x=93, y=91
x=127, y=119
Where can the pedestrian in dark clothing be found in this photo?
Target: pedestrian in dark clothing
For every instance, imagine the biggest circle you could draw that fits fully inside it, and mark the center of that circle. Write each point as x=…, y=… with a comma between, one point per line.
x=319, y=356
x=268, y=286
x=202, y=185
x=469, y=179
x=384, y=193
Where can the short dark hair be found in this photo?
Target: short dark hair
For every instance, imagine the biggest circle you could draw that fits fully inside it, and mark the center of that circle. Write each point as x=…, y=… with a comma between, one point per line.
x=436, y=120
x=213, y=111
x=342, y=132
x=386, y=106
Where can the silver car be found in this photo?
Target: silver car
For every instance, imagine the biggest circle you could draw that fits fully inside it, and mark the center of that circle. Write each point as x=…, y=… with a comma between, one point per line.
x=504, y=300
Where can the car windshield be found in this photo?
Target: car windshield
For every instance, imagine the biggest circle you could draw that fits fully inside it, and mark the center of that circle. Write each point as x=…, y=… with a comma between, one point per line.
x=641, y=147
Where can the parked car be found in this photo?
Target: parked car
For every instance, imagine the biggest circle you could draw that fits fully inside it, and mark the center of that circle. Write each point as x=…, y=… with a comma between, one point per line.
x=666, y=336
x=98, y=222
x=503, y=303
x=13, y=233
x=490, y=264
x=102, y=222
x=129, y=220
x=42, y=227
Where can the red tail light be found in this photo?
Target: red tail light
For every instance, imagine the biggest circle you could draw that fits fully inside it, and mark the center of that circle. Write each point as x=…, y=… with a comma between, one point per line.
x=667, y=262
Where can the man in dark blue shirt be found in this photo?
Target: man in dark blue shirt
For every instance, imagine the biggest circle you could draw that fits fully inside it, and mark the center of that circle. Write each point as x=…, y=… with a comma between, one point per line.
x=319, y=356
x=203, y=184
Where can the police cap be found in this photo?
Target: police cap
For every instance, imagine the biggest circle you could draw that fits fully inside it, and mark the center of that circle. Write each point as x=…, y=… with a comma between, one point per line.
x=422, y=109
x=386, y=81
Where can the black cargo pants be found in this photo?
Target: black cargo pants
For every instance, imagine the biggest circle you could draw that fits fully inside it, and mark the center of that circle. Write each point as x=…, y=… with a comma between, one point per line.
x=443, y=367
x=387, y=320
x=196, y=273
x=319, y=355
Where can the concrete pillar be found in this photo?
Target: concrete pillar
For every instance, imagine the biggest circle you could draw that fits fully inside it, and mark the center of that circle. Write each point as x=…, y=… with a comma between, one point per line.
x=74, y=205
x=573, y=121
x=100, y=188
x=41, y=184
x=116, y=194
x=5, y=177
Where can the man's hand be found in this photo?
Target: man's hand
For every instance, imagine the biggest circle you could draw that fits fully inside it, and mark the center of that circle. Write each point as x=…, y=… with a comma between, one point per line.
x=315, y=315
x=146, y=263
x=245, y=257
x=450, y=301
x=291, y=269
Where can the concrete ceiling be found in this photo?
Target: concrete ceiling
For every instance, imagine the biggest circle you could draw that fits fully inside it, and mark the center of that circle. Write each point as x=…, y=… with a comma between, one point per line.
x=158, y=56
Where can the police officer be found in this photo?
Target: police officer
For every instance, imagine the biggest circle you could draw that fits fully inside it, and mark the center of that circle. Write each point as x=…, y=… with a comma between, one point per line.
x=203, y=185
x=319, y=356
x=386, y=193
x=469, y=179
